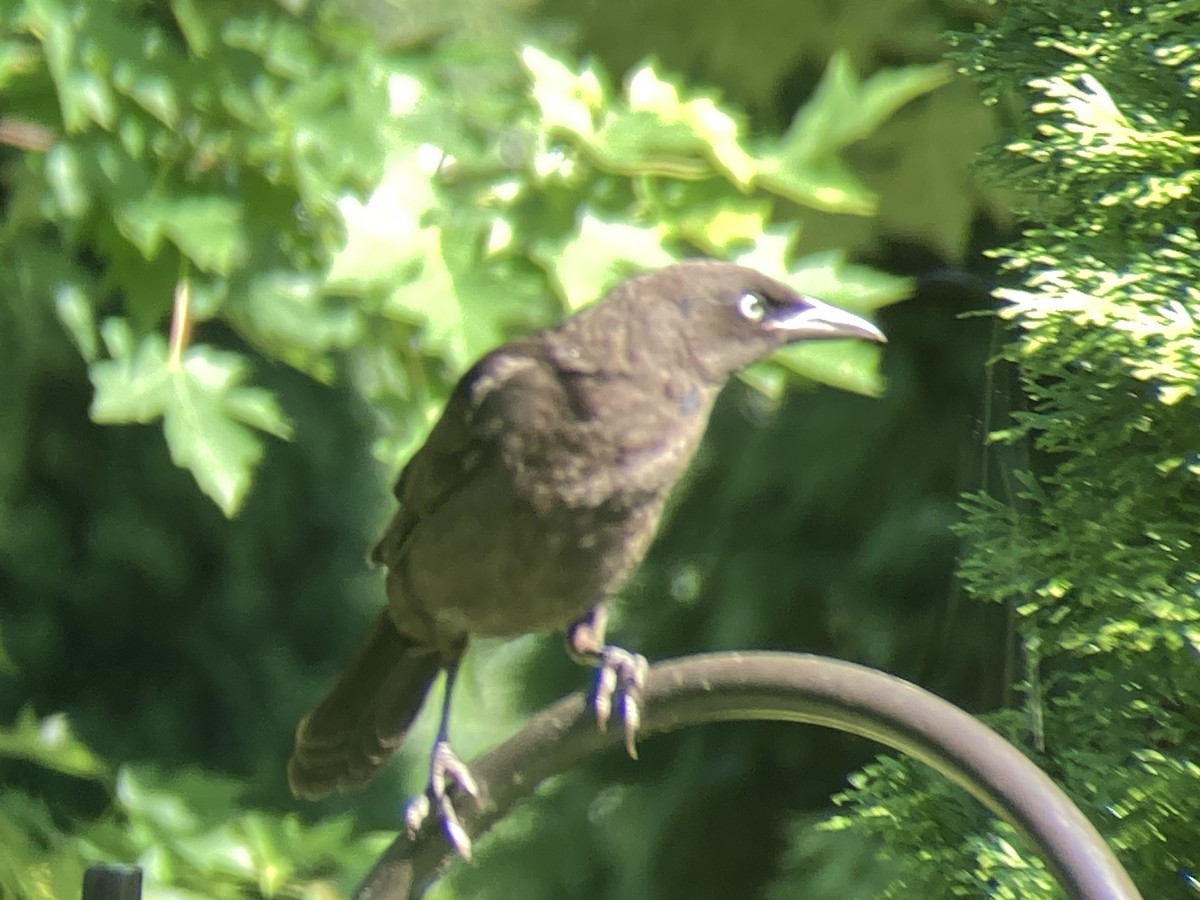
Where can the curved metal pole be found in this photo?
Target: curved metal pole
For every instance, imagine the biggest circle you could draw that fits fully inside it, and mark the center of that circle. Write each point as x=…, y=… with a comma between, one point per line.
x=790, y=687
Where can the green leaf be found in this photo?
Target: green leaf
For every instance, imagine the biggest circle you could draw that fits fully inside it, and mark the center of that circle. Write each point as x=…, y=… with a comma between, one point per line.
x=566, y=100
x=717, y=223
x=68, y=180
x=83, y=97
x=771, y=252
x=643, y=142
x=826, y=184
x=258, y=408
x=204, y=407
x=768, y=379
x=383, y=235
x=660, y=133
x=843, y=110
x=488, y=313
x=166, y=812
x=857, y=288
x=74, y=310
x=16, y=60
x=430, y=300
x=131, y=386
x=154, y=91
x=288, y=314
x=289, y=51
x=49, y=742
x=202, y=428
x=849, y=365
x=826, y=275
x=455, y=298
x=207, y=229
x=599, y=254
x=92, y=97
x=710, y=131
x=196, y=26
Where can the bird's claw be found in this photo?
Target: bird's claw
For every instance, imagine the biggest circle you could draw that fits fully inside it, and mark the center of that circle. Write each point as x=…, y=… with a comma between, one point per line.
x=445, y=769
x=621, y=673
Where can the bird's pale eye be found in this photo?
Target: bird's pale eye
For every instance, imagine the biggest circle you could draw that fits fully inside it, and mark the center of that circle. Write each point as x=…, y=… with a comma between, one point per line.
x=751, y=307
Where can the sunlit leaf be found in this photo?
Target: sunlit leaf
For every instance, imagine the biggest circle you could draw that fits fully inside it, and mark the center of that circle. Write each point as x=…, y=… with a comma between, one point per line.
x=198, y=30
x=566, y=100
x=65, y=175
x=430, y=300
x=858, y=288
x=383, y=235
x=49, y=742
x=599, y=254
x=204, y=407
x=849, y=365
x=202, y=431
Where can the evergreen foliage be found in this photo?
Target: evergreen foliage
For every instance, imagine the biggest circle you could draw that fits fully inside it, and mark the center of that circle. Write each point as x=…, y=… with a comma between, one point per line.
x=1092, y=544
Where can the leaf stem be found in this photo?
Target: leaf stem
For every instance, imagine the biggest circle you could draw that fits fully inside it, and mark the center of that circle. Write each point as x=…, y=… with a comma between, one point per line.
x=26, y=135
x=181, y=322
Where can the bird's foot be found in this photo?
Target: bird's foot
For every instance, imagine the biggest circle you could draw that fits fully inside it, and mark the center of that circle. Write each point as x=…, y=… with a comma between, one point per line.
x=622, y=675
x=445, y=770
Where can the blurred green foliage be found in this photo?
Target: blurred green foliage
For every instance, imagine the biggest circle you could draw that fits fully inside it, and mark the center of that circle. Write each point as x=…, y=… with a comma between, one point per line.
x=210, y=165
x=766, y=54
x=1091, y=541
x=283, y=230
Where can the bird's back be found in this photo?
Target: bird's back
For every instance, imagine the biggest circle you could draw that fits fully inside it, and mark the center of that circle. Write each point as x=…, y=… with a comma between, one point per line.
x=537, y=493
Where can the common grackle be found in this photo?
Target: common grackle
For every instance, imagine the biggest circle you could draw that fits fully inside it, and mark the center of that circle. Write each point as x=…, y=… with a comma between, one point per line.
x=536, y=495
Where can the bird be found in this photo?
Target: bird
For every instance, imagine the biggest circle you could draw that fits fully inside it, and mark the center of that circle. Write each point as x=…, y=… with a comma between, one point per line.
x=534, y=498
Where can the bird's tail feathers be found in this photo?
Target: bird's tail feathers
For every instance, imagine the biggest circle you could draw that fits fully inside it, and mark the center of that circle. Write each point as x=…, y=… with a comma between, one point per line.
x=344, y=740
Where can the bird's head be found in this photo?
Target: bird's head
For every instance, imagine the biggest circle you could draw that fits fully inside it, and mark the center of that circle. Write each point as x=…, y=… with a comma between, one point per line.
x=731, y=316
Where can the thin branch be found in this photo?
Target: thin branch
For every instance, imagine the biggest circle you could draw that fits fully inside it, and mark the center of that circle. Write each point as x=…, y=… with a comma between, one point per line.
x=788, y=687
x=26, y=135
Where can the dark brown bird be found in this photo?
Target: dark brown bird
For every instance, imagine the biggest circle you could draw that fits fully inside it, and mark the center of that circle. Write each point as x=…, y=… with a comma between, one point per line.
x=535, y=497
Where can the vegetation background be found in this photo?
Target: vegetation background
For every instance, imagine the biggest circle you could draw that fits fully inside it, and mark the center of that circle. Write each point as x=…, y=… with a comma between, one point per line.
x=246, y=248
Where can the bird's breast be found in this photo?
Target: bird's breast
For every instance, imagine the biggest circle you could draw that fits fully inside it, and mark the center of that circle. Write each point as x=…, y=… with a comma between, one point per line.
x=519, y=563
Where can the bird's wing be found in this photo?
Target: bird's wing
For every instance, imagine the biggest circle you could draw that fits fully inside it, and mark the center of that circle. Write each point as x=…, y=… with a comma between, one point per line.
x=490, y=402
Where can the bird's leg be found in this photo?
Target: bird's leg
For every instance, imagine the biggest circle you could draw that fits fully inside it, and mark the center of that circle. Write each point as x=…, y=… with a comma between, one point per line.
x=621, y=673
x=445, y=769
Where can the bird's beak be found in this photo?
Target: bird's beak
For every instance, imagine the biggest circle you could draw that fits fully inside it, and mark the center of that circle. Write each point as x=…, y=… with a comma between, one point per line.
x=814, y=319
